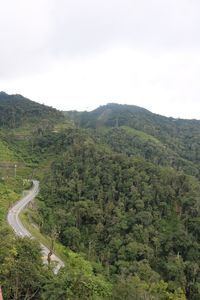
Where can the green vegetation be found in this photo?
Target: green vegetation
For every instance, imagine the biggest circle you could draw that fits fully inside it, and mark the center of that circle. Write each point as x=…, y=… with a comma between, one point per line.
x=177, y=135
x=121, y=212
x=6, y=154
x=16, y=111
x=22, y=274
x=9, y=193
x=120, y=197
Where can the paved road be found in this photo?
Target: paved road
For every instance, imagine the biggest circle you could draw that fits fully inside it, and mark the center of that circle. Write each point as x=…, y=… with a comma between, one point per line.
x=20, y=230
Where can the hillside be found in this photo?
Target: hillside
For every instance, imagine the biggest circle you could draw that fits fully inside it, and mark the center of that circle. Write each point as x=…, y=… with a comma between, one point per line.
x=119, y=187
x=15, y=110
x=178, y=137
x=22, y=274
x=126, y=190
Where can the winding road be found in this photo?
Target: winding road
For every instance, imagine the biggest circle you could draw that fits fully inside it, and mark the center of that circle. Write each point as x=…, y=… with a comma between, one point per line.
x=19, y=229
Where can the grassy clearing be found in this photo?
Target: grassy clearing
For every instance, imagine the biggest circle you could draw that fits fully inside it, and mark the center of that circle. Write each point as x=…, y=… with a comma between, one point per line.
x=6, y=155
x=63, y=125
x=142, y=135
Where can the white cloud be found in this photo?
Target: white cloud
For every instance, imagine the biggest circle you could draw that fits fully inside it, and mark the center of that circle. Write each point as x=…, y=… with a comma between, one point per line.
x=24, y=36
x=80, y=54
x=164, y=84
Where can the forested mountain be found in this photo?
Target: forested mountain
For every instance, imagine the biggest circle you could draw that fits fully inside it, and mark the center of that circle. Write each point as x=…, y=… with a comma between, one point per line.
x=131, y=216
x=22, y=273
x=119, y=187
x=181, y=136
x=15, y=110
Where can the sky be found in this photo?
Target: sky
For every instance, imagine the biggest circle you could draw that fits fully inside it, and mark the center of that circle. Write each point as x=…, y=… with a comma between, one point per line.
x=79, y=54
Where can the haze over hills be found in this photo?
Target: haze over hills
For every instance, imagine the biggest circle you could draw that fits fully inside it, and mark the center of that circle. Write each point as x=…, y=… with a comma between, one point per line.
x=120, y=191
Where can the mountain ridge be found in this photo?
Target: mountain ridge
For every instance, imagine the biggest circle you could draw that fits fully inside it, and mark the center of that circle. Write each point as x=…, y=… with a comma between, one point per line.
x=16, y=110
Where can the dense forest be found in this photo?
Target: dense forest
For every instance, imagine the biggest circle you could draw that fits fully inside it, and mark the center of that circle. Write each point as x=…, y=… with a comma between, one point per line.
x=120, y=191
x=15, y=110
x=128, y=214
x=180, y=136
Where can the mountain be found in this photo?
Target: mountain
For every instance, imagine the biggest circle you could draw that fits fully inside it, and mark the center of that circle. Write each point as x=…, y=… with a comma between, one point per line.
x=123, y=188
x=116, y=115
x=20, y=121
x=119, y=189
x=15, y=110
x=178, y=137
x=25, y=126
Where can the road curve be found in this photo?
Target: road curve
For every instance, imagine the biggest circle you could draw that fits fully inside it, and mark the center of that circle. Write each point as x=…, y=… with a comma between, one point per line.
x=19, y=229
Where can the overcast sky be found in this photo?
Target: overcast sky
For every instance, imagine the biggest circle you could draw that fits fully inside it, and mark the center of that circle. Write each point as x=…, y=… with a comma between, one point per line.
x=79, y=54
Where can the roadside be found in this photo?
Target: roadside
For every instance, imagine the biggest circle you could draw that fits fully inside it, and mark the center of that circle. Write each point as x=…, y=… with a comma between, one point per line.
x=59, y=249
x=17, y=225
